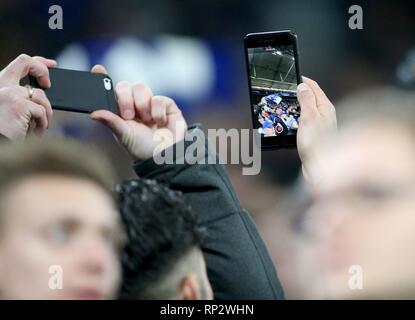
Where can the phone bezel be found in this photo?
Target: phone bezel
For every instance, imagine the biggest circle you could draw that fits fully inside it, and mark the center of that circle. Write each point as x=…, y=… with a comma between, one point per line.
x=254, y=40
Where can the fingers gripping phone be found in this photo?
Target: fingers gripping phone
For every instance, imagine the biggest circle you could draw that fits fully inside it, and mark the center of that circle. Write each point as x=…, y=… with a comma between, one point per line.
x=273, y=75
x=79, y=91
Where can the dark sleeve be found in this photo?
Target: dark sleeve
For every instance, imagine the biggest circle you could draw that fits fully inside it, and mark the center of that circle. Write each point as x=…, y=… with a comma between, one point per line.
x=238, y=264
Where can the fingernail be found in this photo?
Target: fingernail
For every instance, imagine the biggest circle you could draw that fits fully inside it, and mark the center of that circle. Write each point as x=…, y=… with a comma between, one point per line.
x=302, y=87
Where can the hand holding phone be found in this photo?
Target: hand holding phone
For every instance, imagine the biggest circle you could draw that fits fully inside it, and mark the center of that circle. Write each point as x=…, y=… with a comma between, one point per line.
x=145, y=123
x=21, y=108
x=318, y=124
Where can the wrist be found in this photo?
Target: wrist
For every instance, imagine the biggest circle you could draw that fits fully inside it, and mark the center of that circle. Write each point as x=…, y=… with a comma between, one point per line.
x=312, y=171
x=176, y=151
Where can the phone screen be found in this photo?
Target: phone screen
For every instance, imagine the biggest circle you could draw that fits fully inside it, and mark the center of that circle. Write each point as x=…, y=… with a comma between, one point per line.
x=273, y=73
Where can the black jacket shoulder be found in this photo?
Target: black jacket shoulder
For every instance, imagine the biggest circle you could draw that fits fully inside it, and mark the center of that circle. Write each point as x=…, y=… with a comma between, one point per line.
x=237, y=260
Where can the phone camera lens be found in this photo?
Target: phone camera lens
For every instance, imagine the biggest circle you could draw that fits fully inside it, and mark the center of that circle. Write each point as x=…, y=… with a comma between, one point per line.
x=107, y=83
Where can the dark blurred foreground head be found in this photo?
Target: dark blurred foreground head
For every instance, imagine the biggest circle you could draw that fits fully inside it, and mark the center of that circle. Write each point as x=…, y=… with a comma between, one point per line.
x=162, y=259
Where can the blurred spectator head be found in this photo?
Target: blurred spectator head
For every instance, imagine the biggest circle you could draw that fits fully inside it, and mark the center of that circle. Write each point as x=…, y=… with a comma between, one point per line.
x=162, y=258
x=360, y=227
x=59, y=227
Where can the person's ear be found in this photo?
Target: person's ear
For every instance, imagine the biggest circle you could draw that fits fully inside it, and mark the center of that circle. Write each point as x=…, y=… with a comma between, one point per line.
x=189, y=288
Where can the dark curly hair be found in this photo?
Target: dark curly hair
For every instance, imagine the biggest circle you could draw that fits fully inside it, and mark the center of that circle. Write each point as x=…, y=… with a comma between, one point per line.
x=160, y=230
